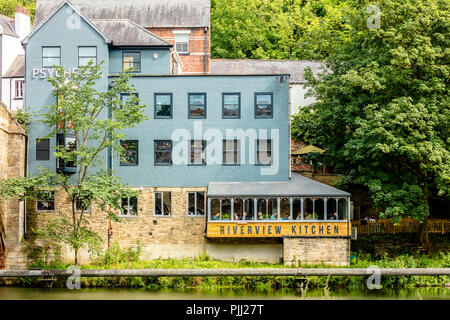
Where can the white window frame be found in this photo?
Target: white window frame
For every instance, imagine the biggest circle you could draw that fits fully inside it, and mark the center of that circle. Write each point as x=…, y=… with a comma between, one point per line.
x=182, y=34
x=128, y=215
x=18, y=88
x=162, y=204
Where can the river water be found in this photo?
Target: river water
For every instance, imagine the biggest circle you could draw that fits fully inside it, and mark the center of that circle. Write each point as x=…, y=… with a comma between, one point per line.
x=16, y=293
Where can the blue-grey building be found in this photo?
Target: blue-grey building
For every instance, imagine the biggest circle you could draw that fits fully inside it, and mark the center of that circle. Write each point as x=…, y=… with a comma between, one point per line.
x=213, y=156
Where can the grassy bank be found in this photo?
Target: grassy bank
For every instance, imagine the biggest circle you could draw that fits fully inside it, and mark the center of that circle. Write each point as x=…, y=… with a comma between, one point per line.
x=118, y=259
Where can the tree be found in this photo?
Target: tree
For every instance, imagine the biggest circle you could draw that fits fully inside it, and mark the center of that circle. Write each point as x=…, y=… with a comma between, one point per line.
x=278, y=29
x=96, y=120
x=7, y=7
x=383, y=113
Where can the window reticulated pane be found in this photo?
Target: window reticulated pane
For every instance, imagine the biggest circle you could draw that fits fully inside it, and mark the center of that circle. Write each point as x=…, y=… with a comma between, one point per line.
x=51, y=56
x=86, y=54
x=129, y=157
x=201, y=203
x=197, y=154
x=167, y=203
x=191, y=203
x=163, y=105
x=50, y=62
x=158, y=203
x=231, y=151
x=45, y=201
x=51, y=52
x=231, y=105
x=163, y=152
x=132, y=60
x=129, y=206
x=263, y=106
x=264, y=152
x=43, y=149
x=197, y=105
x=182, y=43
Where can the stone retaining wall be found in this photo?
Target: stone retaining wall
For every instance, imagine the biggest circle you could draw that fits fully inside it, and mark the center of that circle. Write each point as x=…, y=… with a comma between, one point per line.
x=308, y=250
x=12, y=165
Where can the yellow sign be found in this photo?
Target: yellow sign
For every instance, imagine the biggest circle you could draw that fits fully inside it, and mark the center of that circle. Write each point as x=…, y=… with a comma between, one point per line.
x=277, y=229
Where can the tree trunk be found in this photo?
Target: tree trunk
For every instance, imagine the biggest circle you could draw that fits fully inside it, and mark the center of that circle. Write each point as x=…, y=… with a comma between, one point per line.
x=76, y=257
x=109, y=231
x=422, y=234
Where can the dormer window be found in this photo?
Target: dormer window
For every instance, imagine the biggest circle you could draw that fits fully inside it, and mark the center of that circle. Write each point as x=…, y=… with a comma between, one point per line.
x=131, y=60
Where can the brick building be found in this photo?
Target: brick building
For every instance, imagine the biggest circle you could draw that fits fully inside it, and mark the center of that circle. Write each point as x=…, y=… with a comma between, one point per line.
x=239, y=201
x=185, y=24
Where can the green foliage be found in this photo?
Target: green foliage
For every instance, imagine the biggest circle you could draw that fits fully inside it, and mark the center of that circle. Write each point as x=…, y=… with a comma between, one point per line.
x=278, y=29
x=96, y=118
x=262, y=283
x=61, y=230
x=383, y=113
x=7, y=7
x=115, y=255
x=23, y=118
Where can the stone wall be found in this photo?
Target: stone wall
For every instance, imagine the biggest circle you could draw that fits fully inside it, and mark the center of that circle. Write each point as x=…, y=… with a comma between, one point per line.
x=307, y=250
x=175, y=236
x=12, y=164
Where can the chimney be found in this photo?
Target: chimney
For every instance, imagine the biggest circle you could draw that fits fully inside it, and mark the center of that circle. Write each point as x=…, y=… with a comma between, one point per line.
x=22, y=22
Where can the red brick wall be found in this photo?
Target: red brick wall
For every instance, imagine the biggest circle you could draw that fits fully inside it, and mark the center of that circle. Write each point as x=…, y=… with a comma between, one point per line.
x=194, y=62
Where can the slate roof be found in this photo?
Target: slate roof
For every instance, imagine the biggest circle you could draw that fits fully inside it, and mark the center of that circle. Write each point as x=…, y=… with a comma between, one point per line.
x=126, y=33
x=296, y=68
x=8, y=28
x=146, y=13
x=297, y=186
x=17, y=68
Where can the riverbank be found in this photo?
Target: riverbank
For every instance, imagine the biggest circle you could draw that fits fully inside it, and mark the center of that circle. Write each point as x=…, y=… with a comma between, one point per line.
x=130, y=260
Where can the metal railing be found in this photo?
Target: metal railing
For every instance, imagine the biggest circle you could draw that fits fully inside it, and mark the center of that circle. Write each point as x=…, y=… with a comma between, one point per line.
x=408, y=225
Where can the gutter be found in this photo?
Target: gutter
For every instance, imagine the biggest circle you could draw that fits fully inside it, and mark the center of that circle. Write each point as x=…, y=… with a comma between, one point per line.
x=206, y=49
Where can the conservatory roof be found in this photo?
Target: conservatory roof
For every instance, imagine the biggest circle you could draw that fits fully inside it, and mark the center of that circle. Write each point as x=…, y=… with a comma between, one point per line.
x=297, y=186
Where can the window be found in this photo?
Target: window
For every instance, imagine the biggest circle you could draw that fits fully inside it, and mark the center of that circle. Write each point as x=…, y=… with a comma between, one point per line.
x=163, y=203
x=196, y=204
x=231, y=105
x=70, y=143
x=42, y=149
x=163, y=105
x=197, y=105
x=197, y=153
x=231, y=152
x=163, y=152
x=263, y=105
x=264, y=152
x=131, y=60
x=82, y=205
x=182, y=43
x=45, y=201
x=129, y=157
x=18, y=89
x=86, y=54
x=126, y=97
x=129, y=206
x=51, y=56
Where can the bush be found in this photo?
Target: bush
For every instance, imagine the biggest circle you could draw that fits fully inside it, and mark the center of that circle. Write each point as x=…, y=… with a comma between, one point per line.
x=116, y=255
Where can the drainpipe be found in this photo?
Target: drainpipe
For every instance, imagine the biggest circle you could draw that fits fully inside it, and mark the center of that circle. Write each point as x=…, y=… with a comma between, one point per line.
x=206, y=49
